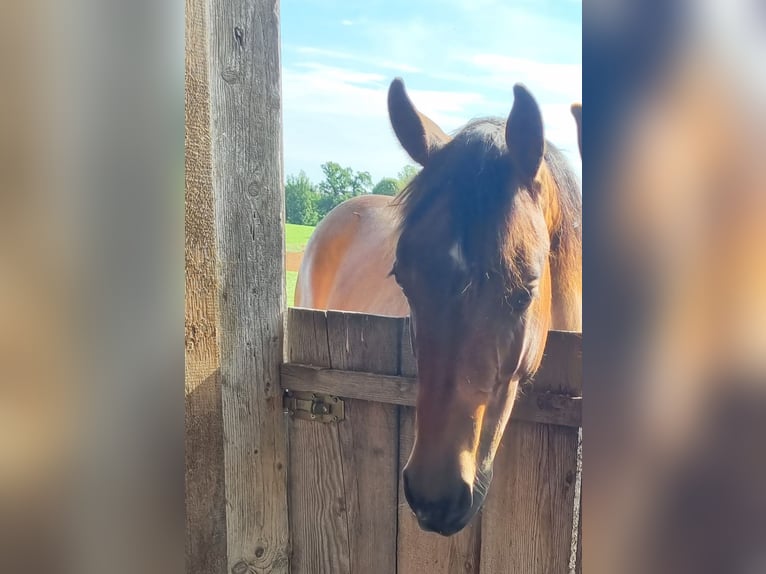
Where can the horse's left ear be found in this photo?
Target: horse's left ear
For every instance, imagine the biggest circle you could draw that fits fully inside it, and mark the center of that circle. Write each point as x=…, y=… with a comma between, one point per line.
x=419, y=136
x=576, y=110
x=524, y=134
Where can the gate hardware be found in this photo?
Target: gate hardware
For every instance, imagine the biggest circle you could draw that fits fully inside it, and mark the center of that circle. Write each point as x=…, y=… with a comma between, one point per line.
x=314, y=406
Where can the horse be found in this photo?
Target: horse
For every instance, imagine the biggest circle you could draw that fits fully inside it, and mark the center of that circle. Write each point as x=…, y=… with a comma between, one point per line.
x=482, y=250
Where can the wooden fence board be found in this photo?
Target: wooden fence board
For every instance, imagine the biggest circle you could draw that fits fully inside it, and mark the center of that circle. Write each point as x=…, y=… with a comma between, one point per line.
x=527, y=520
x=369, y=440
x=532, y=406
x=204, y=466
x=318, y=517
x=316, y=491
x=343, y=475
x=561, y=369
x=307, y=337
x=527, y=524
x=578, y=552
x=246, y=143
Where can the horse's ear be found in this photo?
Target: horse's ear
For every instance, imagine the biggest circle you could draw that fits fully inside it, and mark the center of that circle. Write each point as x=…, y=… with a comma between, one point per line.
x=576, y=110
x=524, y=134
x=419, y=136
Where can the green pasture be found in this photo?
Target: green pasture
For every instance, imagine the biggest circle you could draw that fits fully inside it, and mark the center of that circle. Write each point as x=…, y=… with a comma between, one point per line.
x=292, y=278
x=296, y=237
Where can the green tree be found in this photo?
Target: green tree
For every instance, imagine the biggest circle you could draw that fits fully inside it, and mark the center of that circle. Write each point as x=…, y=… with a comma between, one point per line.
x=340, y=184
x=386, y=186
x=301, y=200
x=405, y=175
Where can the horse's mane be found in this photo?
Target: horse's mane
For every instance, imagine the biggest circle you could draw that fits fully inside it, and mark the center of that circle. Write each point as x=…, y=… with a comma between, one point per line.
x=566, y=240
x=472, y=176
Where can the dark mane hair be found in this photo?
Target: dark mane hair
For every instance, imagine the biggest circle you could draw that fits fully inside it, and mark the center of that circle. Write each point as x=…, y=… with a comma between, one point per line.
x=472, y=177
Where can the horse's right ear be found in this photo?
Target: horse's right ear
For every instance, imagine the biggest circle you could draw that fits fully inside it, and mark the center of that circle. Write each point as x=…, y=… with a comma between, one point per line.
x=419, y=136
x=576, y=110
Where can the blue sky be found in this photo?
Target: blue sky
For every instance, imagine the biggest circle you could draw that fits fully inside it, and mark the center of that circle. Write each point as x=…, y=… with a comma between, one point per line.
x=459, y=60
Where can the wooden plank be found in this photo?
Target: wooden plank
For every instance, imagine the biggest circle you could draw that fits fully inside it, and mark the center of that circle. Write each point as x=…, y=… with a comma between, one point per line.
x=205, y=501
x=419, y=551
x=318, y=516
x=532, y=406
x=578, y=511
x=578, y=555
x=369, y=440
x=561, y=369
x=408, y=365
x=246, y=139
x=527, y=521
x=307, y=337
x=350, y=384
x=527, y=525
x=343, y=476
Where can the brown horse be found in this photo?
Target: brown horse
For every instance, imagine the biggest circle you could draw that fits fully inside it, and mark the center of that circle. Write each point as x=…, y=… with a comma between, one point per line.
x=483, y=251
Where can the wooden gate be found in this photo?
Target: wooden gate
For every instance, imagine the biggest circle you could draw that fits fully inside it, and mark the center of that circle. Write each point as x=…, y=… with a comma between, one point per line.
x=350, y=392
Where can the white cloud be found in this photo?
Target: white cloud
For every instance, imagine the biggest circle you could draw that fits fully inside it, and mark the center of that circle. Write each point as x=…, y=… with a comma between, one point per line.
x=339, y=75
x=337, y=114
x=320, y=88
x=504, y=71
x=347, y=22
x=348, y=57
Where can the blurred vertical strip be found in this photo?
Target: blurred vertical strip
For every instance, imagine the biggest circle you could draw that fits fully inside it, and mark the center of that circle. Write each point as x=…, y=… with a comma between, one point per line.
x=91, y=286
x=37, y=357
x=675, y=296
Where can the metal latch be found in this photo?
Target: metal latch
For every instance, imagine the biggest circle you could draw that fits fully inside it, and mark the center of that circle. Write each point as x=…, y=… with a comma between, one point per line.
x=314, y=406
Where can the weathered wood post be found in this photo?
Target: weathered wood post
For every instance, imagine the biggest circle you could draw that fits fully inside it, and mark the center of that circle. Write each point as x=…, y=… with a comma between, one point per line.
x=205, y=502
x=246, y=143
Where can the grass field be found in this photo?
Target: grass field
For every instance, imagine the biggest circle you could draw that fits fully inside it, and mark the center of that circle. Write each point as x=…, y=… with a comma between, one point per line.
x=292, y=277
x=296, y=237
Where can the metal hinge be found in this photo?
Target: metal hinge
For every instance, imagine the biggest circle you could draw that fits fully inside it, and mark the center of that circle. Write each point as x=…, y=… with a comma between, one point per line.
x=315, y=407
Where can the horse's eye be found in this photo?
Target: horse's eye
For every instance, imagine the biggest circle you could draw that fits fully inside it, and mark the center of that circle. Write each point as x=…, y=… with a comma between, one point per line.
x=520, y=300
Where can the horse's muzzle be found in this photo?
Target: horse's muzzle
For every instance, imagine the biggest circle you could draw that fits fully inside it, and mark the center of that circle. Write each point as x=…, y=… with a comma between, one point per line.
x=445, y=515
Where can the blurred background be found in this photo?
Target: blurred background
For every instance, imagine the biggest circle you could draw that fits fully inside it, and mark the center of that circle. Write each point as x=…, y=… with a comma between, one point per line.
x=675, y=291
x=92, y=285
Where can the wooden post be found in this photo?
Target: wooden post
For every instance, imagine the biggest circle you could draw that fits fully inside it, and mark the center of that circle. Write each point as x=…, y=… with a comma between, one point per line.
x=205, y=514
x=246, y=137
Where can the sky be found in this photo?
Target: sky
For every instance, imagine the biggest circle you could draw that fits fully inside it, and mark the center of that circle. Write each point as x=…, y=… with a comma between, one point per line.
x=459, y=60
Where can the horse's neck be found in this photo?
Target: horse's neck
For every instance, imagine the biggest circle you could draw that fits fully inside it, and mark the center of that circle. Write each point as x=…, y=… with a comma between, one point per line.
x=565, y=260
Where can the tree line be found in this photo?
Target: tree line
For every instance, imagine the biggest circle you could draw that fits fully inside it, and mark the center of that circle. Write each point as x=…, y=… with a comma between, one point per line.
x=306, y=203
